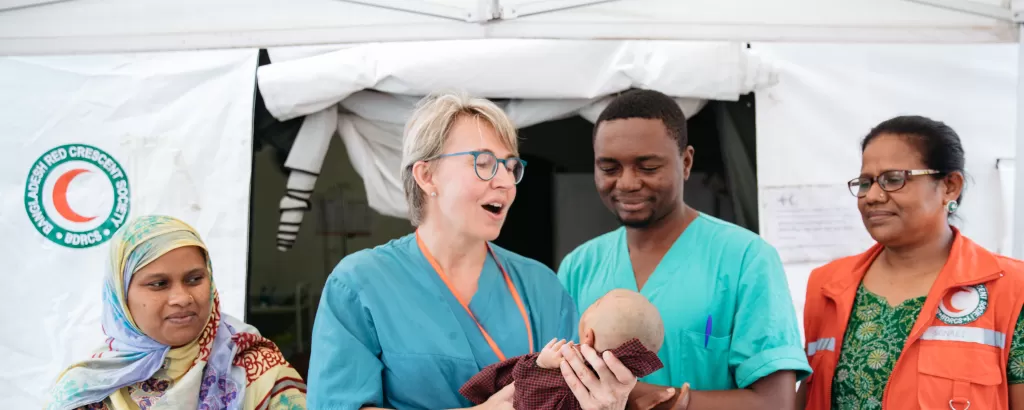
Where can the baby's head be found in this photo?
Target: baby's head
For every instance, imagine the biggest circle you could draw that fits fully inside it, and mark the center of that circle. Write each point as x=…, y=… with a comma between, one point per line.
x=617, y=317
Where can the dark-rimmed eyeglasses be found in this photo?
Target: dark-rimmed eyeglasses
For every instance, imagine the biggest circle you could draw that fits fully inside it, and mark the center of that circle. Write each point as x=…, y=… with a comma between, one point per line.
x=889, y=181
x=486, y=164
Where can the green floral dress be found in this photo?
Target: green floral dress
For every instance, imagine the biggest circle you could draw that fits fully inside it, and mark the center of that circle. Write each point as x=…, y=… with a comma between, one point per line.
x=873, y=342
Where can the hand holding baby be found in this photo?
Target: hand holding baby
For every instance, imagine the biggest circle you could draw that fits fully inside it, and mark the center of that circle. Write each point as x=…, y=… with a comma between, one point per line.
x=550, y=356
x=620, y=334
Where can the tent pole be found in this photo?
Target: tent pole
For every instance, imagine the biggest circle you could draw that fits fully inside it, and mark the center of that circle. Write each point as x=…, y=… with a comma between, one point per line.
x=1018, y=166
x=970, y=7
x=486, y=10
x=421, y=7
x=545, y=6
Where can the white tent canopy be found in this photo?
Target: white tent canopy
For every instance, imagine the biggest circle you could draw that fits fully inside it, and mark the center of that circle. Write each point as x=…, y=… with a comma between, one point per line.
x=79, y=26
x=74, y=26
x=63, y=27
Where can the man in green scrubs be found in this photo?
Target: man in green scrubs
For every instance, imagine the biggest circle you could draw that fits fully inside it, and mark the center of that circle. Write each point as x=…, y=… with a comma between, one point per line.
x=730, y=324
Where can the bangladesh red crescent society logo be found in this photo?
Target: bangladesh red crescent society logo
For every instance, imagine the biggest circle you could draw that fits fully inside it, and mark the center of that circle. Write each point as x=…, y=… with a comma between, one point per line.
x=963, y=305
x=77, y=195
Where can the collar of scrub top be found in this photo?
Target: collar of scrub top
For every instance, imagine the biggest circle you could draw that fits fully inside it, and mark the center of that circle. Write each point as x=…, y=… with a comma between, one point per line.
x=465, y=303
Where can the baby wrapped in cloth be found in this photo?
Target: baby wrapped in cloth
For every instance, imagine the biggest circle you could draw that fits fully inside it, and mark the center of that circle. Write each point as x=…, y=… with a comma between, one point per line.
x=621, y=320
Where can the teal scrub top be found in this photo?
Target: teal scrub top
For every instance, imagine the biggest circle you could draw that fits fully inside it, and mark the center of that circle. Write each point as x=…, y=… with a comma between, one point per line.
x=714, y=269
x=388, y=332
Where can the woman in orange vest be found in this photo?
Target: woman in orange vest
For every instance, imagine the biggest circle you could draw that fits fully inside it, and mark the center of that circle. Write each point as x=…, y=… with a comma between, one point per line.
x=926, y=318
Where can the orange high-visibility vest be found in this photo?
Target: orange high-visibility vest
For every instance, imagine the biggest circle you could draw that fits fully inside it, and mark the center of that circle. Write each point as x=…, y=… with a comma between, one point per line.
x=957, y=351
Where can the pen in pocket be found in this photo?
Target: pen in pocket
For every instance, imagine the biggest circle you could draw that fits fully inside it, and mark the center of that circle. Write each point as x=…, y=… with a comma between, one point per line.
x=707, y=332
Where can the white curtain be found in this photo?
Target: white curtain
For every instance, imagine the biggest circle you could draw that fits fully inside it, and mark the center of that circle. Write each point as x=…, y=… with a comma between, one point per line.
x=1006, y=178
x=366, y=93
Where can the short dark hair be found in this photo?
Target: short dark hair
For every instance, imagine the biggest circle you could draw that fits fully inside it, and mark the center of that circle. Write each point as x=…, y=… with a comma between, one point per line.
x=938, y=144
x=647, y=104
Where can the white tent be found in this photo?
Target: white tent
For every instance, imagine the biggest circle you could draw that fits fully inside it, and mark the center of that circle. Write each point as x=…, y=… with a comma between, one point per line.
x=720, y=29
x=71, y=26
x=80, y=26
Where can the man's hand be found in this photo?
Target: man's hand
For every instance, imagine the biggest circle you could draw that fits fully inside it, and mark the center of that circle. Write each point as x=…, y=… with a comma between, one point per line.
x=772, y=392
x=683, y=402
x=649, y=396
x=551, y=356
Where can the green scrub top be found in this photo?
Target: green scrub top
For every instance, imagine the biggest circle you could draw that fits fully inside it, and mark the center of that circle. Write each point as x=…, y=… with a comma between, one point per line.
x=714, y=270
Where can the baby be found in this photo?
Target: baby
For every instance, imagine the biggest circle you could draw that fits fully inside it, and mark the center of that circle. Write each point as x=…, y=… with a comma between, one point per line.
x=622, y=321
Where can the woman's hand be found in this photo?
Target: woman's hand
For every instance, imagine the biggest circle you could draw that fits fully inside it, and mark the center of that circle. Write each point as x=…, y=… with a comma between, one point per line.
x=502, y=400
x=608, y=390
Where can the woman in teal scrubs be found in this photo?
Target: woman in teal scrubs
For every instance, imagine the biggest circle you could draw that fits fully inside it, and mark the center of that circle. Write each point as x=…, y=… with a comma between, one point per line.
x=405, y=324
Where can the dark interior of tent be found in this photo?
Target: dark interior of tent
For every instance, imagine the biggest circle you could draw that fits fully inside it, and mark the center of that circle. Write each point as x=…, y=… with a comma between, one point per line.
x=556, y=209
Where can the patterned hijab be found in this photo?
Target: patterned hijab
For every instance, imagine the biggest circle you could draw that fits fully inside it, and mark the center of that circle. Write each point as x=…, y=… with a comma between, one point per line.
x=129, y=357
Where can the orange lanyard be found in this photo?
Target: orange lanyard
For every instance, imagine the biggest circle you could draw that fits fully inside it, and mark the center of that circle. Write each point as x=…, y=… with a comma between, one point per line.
x=465, y=304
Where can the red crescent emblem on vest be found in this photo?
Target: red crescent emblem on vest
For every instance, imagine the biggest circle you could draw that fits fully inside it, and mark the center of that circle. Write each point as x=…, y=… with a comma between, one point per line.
x=947, y=302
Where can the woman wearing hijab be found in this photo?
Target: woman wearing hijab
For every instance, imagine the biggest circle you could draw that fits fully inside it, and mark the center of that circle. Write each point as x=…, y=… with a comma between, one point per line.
x=168, y=345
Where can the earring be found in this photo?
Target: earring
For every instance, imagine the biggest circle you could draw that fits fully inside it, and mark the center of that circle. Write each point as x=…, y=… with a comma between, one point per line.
x=952, y=206
x=433, y=194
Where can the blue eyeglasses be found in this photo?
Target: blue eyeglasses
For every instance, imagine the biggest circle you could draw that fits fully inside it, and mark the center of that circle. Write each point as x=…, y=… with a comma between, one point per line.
x=486, y=164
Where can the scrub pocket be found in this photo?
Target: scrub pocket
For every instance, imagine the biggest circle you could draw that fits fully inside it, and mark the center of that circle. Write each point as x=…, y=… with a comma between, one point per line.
x=709, y=366
x=425, y=381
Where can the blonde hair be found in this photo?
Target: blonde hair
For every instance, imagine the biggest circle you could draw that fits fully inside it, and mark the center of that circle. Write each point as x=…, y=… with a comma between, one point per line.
x=427, y=132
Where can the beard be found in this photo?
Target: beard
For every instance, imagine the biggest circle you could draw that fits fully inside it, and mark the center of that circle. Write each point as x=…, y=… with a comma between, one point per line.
x=653, y=218
x=637, y=223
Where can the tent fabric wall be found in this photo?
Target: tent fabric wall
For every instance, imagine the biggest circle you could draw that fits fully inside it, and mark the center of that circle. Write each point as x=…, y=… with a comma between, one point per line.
x=79, y=26
x=140, y=110
x=829, y=96
x=533, y=80
x=1007, y=176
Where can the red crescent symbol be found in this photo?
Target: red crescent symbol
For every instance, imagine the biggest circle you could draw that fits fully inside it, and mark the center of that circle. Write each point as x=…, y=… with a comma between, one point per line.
x=60, y=197
x=947, y=301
